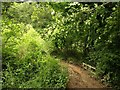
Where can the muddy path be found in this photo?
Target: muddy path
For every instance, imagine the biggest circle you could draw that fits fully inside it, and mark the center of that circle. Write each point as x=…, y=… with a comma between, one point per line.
x=80, y=78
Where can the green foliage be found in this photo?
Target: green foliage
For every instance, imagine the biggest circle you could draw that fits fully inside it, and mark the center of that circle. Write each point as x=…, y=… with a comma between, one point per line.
x=88, y=32
x=50, y=75
x=35, y=74
x=93, y=30
x=107, y=65
x=36, y=14
x=26, y=59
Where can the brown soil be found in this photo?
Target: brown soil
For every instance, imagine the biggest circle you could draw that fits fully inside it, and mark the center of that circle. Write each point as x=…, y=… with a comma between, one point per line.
x=80, y=78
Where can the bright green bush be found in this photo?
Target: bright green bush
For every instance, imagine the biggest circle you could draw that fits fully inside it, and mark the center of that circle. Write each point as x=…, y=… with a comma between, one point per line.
x=32, y=66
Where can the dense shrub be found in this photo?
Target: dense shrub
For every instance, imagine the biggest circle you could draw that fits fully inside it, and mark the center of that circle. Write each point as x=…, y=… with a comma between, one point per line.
x=31, y=66
x=107, y=66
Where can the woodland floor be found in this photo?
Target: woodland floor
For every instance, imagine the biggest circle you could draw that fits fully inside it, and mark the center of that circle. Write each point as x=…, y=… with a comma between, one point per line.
x=80, y=78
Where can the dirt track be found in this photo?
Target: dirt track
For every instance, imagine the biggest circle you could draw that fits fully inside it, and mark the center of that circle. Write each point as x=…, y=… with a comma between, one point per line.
x=80, y=78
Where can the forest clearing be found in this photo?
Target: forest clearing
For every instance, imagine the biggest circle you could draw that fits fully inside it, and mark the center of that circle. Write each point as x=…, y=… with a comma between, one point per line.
x=60, y=45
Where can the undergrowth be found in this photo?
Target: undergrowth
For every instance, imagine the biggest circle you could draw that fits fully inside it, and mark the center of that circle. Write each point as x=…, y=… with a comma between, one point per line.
x=28, y=63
